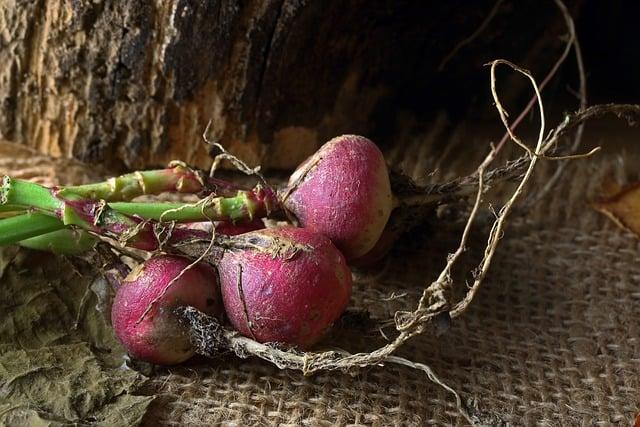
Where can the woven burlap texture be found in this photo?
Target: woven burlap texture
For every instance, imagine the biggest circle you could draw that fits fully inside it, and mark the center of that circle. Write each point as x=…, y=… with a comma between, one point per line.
x=551, y=339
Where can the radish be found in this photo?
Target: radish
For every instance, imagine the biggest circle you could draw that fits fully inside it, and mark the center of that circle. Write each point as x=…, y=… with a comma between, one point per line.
x=230, y=229
x=289, y=285
x=142, y=311
x=343, y=191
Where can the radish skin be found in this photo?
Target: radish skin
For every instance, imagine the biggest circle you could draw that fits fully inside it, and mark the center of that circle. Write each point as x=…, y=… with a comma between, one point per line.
x=343, y=191
x=157, y=336
x=291, y=291
x=230, y=229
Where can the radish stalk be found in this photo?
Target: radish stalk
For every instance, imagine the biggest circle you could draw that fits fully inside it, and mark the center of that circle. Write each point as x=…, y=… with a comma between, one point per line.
x=178, y=179
x=101, y=218
x=65, y=241
x=244, y=206
x=10, y=208
x=71, y=209
x=25, y=226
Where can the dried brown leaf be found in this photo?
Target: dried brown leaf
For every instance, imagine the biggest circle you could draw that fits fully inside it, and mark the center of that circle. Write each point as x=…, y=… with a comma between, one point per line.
x=59, y=361
x=623, y=207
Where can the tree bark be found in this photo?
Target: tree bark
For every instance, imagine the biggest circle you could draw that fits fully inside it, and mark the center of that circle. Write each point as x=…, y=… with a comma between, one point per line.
x=133, y=83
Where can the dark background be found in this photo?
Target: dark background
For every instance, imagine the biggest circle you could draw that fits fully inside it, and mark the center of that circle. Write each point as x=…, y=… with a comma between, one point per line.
x=609, y=33
x=532, y=35
x=411, y=39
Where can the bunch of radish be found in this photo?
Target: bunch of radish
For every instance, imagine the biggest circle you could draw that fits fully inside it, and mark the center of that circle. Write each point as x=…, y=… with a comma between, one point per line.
x=285, y=284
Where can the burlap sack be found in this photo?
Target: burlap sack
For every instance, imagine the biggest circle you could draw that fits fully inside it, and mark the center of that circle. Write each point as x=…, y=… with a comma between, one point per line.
x=551, y=339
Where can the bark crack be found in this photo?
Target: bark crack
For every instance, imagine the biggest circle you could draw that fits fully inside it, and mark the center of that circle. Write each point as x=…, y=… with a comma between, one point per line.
x=267, y=52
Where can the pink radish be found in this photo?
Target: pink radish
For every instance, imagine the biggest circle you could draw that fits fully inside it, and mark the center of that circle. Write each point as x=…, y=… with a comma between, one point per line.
x=142, y=316
x=231, y=229
x=343, y=192
x=288, y=286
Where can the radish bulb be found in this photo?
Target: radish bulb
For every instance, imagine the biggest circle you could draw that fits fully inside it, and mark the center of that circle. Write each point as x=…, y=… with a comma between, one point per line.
x=288, y=286
x=343, y=191
x=143, y=318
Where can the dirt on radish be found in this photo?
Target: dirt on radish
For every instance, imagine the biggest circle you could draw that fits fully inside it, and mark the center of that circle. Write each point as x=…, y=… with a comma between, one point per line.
x=142, y=314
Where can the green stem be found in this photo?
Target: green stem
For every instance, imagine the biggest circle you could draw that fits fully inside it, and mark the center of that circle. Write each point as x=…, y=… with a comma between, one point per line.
x=17, y=193
x=72, y=209
x=7, y=211
x=180, y=179
x=116, y=220
x=25, y=226
x=244, y=206
x=10, y=208
x=90, y=215
x=67, y=241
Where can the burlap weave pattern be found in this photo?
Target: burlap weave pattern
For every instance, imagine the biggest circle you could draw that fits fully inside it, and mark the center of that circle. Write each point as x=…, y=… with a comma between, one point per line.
x=552, y=338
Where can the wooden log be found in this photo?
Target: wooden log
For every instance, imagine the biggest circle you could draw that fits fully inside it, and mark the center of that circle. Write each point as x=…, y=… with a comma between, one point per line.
x=133, y=83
